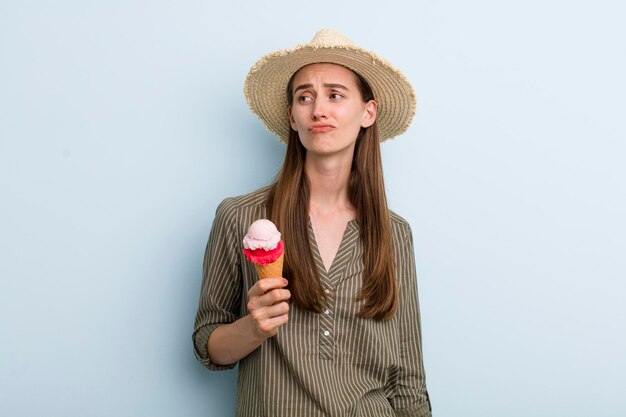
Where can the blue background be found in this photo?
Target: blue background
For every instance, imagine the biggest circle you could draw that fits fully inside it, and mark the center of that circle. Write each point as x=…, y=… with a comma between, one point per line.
x=123, y=125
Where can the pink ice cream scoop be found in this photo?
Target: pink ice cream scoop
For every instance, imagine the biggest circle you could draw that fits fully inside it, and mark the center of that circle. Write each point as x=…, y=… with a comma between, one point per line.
x=263, y=246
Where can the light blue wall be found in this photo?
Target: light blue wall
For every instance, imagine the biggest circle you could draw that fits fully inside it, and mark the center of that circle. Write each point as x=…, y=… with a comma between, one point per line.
x=123, y=125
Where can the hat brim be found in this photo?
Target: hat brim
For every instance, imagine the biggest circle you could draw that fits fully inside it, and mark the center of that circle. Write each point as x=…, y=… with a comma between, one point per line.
x=266, y=86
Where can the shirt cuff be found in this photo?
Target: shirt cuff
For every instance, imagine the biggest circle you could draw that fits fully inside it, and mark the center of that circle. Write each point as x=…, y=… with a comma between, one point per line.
x=419, y=410
x=201, y=346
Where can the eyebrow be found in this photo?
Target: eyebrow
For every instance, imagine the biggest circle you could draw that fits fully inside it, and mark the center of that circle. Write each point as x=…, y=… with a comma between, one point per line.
x=326, y=85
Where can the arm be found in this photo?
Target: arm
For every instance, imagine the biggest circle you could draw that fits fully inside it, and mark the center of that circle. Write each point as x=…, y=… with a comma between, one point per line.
x=411, y=397
x=221, y=336
x=222, y=279
x=268, y=311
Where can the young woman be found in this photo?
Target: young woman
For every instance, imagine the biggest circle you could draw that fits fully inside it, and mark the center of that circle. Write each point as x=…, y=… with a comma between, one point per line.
x=339, y=334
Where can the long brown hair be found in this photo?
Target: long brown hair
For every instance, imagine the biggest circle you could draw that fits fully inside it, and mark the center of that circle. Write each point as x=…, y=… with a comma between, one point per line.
x=288, y=207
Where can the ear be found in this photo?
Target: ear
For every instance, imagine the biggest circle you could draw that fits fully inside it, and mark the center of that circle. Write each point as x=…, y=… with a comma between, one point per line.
x=292, y=122
x=369, y=113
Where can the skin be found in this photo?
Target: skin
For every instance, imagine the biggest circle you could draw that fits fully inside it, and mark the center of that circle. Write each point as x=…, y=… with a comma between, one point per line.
x=328, y=112
x=268, y=311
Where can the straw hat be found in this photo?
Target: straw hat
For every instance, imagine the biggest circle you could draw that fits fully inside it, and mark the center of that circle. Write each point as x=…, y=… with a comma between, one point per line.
x=266, y=84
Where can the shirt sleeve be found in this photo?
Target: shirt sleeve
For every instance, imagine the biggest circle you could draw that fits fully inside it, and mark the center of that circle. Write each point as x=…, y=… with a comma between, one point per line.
x=220, y=295
x=411, y=397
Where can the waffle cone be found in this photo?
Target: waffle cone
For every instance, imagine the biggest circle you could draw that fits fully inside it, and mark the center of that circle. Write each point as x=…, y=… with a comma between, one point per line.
x=273, y=270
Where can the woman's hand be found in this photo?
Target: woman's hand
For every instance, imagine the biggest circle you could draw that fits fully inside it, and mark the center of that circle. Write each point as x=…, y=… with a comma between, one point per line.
x=268, y=305
x=268, y=308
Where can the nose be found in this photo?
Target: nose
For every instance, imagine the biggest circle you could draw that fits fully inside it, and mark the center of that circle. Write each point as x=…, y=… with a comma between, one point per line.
x=319, y=110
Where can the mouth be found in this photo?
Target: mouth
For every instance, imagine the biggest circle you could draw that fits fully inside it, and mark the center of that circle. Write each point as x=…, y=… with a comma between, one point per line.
x=320, y=128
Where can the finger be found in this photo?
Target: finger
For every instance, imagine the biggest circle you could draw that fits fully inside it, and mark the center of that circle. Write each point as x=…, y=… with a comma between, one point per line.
x=276, y=310
x=263, y=314
x=264, y=285
x=275, y=296
x=269, y=284
x=271, y=325
x=271, y=298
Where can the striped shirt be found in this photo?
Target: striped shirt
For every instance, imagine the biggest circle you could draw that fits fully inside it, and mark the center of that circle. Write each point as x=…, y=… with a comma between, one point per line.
x=330, y=364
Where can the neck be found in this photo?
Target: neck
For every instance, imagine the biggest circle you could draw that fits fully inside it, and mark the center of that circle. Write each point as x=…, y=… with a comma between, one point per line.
x=328, y=181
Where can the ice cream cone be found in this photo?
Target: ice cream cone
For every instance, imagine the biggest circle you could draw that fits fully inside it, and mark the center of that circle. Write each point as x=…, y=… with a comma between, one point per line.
x=271, y=270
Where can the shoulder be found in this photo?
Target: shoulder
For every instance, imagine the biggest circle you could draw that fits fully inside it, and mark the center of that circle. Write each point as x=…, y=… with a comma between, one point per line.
x=403, y=249
x=400, y=228
x=255, y=200
x=239, y=212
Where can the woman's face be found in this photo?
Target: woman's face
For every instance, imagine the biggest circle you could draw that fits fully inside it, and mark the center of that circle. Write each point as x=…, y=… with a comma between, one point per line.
x=328, y=110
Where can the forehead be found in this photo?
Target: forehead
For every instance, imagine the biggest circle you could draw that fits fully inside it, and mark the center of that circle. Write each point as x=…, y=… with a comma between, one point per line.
x=326, y=71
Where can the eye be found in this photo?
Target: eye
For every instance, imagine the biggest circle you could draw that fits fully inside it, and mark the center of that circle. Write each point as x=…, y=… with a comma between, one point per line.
x=335, y=96
x=304, y=99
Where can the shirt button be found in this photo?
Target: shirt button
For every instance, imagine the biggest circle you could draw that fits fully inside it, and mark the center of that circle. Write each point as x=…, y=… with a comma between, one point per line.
x=326, y=291
x=327, y=311
x=326, y=333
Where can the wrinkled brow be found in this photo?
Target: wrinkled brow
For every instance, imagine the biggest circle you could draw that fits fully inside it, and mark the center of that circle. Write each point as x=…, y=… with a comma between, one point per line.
x=326, y=85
